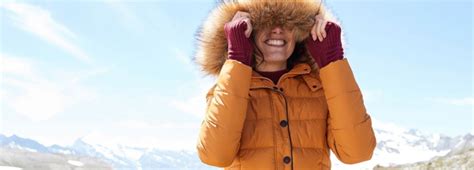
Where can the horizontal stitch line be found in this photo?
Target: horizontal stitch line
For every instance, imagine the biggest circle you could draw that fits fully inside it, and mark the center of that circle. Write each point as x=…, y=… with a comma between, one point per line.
x=305, y=147
x=258, y=119
x=307, y=119
x=290, y=97
x=265, y=147
x=304, y=97
x=258, y=97
x=226, y=92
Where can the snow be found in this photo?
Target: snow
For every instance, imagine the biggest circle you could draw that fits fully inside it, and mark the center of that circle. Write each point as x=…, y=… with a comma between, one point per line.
x=14, y=145
x=132, y=153
x=9, y=168
x=65, y=152
x=75, y=163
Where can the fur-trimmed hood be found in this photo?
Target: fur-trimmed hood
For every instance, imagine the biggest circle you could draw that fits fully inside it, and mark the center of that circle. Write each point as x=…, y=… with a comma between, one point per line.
x=212, y=44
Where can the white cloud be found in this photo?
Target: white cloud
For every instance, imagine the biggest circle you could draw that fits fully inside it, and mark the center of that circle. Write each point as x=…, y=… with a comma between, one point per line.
x=465, y=101
x=135, y=124
x=30, y=94
x=194, y=103
x=38, y=101
x=141, y=133
x=142, y=124
x=15, y=66
x=372, y=95
x=39, y=22
x=387, y=126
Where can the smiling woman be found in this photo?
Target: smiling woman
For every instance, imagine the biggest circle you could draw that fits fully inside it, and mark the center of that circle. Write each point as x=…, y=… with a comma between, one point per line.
x=282, y=99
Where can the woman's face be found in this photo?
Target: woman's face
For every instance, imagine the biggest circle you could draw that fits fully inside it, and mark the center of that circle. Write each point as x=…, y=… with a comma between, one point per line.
x=276, y=44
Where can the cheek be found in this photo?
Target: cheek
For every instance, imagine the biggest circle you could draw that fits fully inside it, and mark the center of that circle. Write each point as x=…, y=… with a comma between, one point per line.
x=292, y=42
x=258, y=42
x=259, y=46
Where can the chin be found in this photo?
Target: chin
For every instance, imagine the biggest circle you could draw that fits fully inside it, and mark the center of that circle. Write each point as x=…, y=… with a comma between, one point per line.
x=276, y=58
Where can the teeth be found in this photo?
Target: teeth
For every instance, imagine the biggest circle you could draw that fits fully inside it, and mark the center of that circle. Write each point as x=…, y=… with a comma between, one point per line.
x=275, y=42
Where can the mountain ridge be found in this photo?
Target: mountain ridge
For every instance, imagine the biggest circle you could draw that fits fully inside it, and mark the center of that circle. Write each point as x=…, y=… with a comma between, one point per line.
x=395, y=146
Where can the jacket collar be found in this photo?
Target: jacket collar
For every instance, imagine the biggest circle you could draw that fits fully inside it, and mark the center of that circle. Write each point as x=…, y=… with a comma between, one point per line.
x=303, y=69
x=299, y=69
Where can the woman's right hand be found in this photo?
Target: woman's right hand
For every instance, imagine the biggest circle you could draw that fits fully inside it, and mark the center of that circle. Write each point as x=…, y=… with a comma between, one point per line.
x=238, y=32
x=245, y=17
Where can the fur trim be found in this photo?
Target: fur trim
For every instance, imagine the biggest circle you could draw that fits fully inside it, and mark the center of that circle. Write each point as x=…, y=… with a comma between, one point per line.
x=212, y=44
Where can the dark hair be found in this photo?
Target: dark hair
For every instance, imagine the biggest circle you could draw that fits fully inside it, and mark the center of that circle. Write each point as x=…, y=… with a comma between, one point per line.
x=299, y=55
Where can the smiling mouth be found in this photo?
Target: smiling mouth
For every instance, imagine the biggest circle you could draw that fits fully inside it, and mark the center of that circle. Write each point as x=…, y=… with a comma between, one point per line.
x=275, y=43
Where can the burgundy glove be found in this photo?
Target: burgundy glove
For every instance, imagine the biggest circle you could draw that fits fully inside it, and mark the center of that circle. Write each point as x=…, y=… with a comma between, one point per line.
x=330, y=49
x=239, y=47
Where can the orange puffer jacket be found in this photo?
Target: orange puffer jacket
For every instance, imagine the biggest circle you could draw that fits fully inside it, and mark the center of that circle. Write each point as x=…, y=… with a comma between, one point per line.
x=251, y=123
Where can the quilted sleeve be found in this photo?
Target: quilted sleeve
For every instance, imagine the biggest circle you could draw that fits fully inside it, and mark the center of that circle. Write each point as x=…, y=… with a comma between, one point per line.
x=350, y=135
x=220, y=133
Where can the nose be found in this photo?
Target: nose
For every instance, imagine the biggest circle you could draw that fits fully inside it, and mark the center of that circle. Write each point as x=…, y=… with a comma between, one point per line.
x=277, y=30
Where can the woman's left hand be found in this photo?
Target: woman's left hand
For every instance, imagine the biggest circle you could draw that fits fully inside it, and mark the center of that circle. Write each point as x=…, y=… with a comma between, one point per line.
x=318, y=31
x=329, y=50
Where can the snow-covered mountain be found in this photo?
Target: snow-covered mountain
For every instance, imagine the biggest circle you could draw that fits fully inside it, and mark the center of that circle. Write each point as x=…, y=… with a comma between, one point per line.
x=126, y=157
x=460, y=157
x=395, y=146
x=117, y=156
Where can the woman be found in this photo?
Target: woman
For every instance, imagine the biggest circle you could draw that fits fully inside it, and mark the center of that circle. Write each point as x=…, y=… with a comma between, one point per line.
x=284, y=95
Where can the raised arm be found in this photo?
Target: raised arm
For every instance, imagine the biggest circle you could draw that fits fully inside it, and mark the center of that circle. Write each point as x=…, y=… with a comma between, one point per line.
x=219, y=138
x=221, y=129
x=350, y=135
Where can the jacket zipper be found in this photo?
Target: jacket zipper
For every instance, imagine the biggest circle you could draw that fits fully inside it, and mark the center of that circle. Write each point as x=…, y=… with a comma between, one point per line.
x=288, y=125
x=287, y=117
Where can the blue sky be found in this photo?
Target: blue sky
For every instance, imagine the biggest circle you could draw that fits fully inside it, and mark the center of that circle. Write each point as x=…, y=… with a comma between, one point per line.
x=120, y=71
